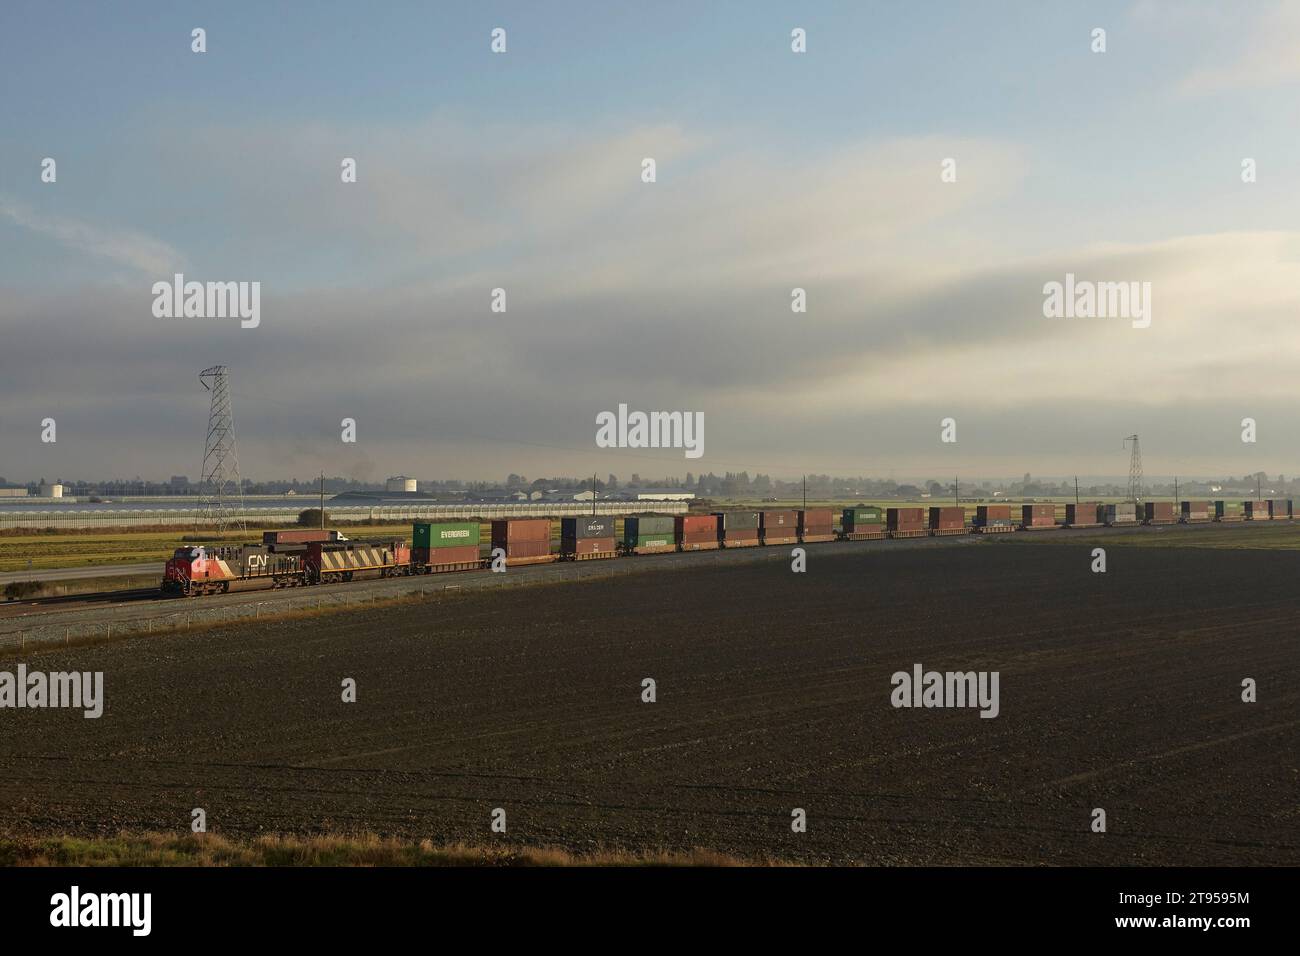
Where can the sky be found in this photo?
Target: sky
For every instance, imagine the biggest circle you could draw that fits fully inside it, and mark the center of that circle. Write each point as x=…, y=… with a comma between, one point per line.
x=775, y=170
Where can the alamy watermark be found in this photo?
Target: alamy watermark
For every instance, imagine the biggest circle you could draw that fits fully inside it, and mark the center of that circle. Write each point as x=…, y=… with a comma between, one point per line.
x=949, y=689
x=1083, y=299
x=76, y=689
x=626, y=429
x=208, y=300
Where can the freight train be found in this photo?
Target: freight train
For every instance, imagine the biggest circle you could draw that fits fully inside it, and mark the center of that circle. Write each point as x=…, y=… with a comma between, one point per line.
x=299, y=558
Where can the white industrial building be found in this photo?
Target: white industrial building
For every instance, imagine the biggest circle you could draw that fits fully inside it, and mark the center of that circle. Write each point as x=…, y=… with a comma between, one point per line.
x=400, y=484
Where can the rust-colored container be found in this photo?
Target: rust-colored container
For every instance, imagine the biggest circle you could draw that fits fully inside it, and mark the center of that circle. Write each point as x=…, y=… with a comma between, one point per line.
x=1158, y=512
x=587, y=549
x=816, y=525
x=1279, y=509
x=1194, y=511
x=950, y=520
x=448, y=559
x=697, y=525
x=520, y=529
x=993, y=519
x=905, y=522
x=1035, y=517
x=779, y=527
x=1083, y=515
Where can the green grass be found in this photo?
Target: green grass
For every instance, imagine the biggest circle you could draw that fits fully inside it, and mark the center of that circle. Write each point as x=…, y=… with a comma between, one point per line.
x=207, y=849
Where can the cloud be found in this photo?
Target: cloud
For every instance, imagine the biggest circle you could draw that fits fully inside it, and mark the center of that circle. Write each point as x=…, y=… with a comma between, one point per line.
x=1262, y=45
x=123, y=247
x=672, y=295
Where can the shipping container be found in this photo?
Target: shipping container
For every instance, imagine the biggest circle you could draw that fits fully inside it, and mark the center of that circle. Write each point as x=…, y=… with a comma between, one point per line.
x=740, y=538
x=697, y=532
x=587, y=549
x=1083, y=515
x=1255, y=510
x=862, y=523
x=520, y=529
x=905, y=522
x=1037, y=517
x=816, y=525
x=429, y=560
x=993, y=519
x=1194, y=511
x=587, y=527
x=452, y=534
x=639, y=525
x=1158, y=512
x=779, y=527
x=949, y=520
x=1279, y=509
x=738, y=520
x=1225, y=511
x=650, y=543
x=1121, y=514
x=524, y=540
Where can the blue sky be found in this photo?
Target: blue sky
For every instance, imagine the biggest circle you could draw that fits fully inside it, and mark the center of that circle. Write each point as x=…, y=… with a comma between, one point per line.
x=775, y=170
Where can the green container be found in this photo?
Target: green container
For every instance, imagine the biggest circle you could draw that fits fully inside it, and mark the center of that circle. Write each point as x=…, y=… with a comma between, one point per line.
x=639, y=526
x=457, y=534
x=865, y=515
x=651, y=541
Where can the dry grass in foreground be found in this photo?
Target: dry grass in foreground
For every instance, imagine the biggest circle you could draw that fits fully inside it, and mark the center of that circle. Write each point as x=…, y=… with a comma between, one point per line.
x=207, y=849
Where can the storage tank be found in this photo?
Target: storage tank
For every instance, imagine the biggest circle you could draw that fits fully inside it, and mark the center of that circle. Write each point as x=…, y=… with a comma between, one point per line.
x=400, y=485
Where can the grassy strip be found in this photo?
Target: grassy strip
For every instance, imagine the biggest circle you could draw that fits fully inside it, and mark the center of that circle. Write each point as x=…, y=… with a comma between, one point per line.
x=210, y=849
x=1241, y=536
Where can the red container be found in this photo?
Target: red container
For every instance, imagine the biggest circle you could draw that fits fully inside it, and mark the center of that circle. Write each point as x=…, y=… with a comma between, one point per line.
x=583, y=549
x=951, y=519
x=777, y=520
x=780, y=527
x=1038, y=516
x=1255, y=510
x=816, y=525
x=520, y=529
x=1082, y=514
x=986, y=514
x=1158, y=512
x=457, y=558
x=905, y=519
x=816, y=518
x=697, y=524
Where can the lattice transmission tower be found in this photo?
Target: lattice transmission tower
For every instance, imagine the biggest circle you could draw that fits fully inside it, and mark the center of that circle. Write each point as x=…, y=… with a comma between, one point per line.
x=1134, y=471
x=222, y=503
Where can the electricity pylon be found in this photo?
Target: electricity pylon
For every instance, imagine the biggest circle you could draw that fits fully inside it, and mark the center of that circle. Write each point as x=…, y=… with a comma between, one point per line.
x=222, y=501
x=1134, y=471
